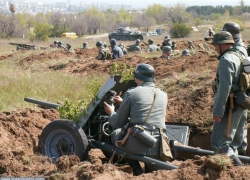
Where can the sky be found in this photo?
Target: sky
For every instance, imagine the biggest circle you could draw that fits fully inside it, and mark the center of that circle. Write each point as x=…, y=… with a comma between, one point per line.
x=145, y=3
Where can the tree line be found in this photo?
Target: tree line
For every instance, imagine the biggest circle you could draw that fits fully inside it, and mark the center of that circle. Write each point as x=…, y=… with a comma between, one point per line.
x=40, y=27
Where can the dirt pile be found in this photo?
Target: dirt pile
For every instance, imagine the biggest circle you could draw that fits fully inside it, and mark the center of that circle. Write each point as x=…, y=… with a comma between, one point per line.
x=188, y=83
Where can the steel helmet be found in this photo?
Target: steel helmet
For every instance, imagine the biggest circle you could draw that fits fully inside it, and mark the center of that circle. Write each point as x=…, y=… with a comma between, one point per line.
x=233, y=28
x=223, y=37
x=137, y=41
x=167, y=38
x=166, y=49
x=85, y=44
x=145, y=72
x=150, y=41
x=185, y=52
x=98, y=44
x=190, y=42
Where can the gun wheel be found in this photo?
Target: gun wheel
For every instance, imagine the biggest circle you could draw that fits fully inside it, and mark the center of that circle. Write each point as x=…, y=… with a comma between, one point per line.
x=63, y=137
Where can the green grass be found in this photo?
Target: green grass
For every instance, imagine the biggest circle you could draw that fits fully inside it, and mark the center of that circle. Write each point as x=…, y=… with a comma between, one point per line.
x=17, y=83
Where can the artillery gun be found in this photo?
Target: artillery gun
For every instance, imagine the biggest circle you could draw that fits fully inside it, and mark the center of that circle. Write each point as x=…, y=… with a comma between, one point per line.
x=65, y=137
x=24, y=46
x=125, y=34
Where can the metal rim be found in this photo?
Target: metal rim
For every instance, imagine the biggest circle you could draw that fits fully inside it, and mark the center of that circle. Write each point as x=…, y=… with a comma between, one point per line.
x=59, y=142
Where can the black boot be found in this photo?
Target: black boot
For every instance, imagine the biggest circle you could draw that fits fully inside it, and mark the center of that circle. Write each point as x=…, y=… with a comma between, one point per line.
x=237, y=161
x=135, y=165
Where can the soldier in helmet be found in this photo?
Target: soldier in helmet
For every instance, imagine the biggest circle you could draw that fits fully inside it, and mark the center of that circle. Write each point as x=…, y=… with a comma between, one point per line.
x=185, y=52
x=105, y=46
x=85, y=45
x=191, y=45
x=116, y=51
x=136, y=105
x=228, y=77
x=209, y=34
x=234, y=29
x=103, y=54
x=152, y=47
x=166, y=52
x=166, y=42
x=136, y=46
x=124, y=50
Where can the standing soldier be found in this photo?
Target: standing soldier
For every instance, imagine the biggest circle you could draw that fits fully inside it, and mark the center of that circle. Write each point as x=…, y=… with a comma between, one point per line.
x=228, y=77
x=85, y=45
x=234, y=29
x=136, y=46
x=166, y=42
x=166, y=52
x=152, y=47
x=103, y=54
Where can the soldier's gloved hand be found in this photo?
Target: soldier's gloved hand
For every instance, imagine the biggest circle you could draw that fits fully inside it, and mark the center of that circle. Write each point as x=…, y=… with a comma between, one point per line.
x=217, y=118
x=118, y=100
x=109, y=108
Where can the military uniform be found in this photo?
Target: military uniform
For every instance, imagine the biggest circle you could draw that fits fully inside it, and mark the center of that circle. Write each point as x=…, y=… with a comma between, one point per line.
x=103, y=54
x=117, y=52
x=134, y=47
x=166, y=43
x=228, y=73
x=136, y=104
x=124, y=50
x=234, y=29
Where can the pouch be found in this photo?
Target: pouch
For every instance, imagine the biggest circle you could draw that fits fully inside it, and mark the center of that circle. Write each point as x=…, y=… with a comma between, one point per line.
x=143, y=136
x=242, y=99
x=165, y=149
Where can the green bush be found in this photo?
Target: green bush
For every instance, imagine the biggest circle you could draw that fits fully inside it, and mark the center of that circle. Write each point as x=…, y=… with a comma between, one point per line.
x=180, y=30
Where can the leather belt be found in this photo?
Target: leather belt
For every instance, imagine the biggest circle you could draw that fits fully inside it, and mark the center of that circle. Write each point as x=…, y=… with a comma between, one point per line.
x=150, y=128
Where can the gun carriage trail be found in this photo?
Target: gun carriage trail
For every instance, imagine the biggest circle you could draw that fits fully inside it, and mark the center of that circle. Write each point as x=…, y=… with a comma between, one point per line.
x=190, y=104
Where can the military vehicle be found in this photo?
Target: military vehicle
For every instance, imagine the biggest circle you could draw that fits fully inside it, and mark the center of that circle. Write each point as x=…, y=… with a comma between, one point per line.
x=125, y=34
x=65, y=137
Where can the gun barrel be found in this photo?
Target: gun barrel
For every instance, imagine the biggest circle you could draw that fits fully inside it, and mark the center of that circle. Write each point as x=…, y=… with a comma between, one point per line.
x=42, y=103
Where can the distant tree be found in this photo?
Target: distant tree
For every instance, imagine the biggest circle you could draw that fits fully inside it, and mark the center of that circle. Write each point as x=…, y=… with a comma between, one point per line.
x=178, y=14
x=93, y=20
x=180, y=30
x=197, y=22
x=143, y=21
x=156, y=11
x=215, y=16
x=42, y=31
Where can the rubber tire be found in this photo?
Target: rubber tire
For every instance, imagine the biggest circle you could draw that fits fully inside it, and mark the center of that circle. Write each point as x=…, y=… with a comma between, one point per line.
x=67, y=131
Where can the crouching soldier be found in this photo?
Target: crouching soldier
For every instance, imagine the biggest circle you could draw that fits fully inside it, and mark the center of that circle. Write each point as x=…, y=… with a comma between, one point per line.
x=152, y=47
x=145, y=105
x=103, y=54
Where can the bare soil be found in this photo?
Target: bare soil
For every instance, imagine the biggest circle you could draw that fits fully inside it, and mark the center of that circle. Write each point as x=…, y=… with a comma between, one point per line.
x=190, y=104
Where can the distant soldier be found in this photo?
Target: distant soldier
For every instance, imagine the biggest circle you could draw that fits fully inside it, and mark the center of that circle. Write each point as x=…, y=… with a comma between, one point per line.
x=191, y=45
x=166, y=42
x=209, y=34
x=124, y=50
x=152, y=47
x=185, y=52
x=173, y=45
x=166, y=52
x=117, y=52
x=105, y=46
x=136, y=46
x=85, y=45
x=103, y=54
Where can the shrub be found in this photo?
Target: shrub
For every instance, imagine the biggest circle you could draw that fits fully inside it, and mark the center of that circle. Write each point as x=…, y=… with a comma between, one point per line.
x=180, y=30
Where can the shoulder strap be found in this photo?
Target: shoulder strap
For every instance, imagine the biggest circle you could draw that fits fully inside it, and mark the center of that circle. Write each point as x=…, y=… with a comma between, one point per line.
x=155, y=90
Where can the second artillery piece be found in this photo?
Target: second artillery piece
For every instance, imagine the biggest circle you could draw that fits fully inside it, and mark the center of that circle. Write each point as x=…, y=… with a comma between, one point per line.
x=24, y=46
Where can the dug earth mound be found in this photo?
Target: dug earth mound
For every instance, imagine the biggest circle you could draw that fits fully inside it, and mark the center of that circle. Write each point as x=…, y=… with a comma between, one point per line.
x=187, y=81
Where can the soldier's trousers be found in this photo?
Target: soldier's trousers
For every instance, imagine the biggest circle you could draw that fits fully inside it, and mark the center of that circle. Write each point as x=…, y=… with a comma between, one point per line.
x=220, y=143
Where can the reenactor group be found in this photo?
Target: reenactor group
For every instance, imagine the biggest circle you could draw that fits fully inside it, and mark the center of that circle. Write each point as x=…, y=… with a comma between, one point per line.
x=117, y=51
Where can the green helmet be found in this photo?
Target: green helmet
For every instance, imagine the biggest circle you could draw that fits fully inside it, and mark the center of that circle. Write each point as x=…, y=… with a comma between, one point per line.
x=223, y=37
x=137, y=41
x=98, y=44
x=166, y=49
x=145, y=72
x=150, y=41
x=185, y=52
x=233, y=28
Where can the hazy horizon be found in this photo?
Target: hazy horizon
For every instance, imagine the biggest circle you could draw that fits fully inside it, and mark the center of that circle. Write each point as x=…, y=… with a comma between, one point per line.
x=145, y=3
